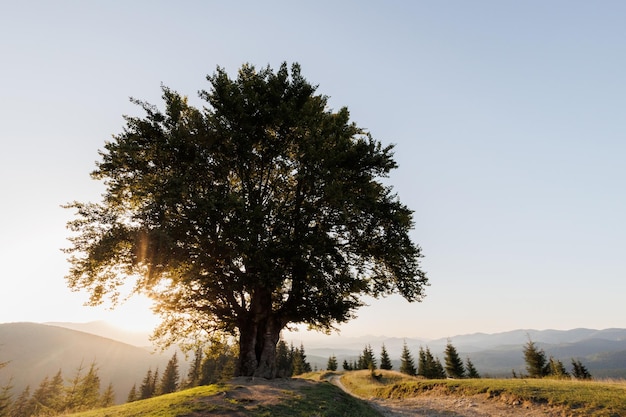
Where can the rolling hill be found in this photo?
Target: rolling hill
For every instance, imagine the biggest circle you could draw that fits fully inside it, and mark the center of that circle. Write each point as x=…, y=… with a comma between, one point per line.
x=35, y=351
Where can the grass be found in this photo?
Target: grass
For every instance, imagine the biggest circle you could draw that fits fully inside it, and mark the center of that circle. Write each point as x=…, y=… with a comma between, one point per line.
x=576, y=398
x=320, y=399
x=169, y=405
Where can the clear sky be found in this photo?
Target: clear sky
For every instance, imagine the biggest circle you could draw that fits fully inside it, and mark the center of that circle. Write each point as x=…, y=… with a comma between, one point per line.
x=508, y=119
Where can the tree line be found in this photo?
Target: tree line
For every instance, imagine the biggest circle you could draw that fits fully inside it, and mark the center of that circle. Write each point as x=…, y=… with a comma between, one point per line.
x=538, y=365
x=56, y=395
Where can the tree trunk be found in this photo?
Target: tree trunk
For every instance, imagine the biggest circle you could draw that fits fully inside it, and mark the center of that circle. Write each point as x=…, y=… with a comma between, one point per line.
x=258, y=335
x=257, y=348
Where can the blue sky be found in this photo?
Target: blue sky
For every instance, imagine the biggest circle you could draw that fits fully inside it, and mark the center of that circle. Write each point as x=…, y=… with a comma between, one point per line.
x=508, y=120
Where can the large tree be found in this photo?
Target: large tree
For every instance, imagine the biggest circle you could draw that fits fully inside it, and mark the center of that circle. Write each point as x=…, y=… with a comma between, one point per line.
x=263, y=208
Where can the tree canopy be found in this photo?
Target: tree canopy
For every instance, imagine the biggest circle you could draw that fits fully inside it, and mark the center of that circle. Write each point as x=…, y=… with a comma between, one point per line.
x=260, y=210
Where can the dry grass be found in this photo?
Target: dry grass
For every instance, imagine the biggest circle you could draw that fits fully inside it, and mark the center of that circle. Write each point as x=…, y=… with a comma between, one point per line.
x=577, y=398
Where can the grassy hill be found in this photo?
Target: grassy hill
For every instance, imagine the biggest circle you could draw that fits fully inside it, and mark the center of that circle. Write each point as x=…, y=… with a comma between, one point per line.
x=243, y=397
x=567, y=397
x=35, y=351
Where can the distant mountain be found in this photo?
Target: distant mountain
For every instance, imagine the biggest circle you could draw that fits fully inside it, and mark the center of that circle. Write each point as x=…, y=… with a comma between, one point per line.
x=35, y=351
x=104, y=329
x=603, y=352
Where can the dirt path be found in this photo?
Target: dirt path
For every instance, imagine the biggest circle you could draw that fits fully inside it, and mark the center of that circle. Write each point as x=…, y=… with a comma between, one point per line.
x=434, y=405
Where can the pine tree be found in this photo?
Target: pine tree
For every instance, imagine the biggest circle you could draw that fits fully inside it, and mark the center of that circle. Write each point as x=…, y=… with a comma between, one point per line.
x=72, y=392
x=367, y=359
x=300, y=364
x=108, y=397
x=429, y=367
x=169, y=381
x=89, y=391
x=557, y=369
x=147, y=388
x=5, y=399
x=385, y=362
x=195, y=370
x=471, y=370
x=132, y=394
x=421, y=363
x=155, y=382
x=23, y=405
x=40, y=400
x=332, y=363
x=346, y=366
x=407, y=365
x=439, y=372
x=219, y=362
x=580, y=371
x=454, y=364
x=283, y=360
x=536, y=362
x=56, y=392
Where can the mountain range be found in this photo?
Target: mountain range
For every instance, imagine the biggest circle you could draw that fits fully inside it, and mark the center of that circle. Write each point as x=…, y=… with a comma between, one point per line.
x=34, y=351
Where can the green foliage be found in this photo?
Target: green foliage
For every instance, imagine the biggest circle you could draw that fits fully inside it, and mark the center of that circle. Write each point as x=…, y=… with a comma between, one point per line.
x=471, y=369
x=385, y=361
x=407, y=364
x=579, y=370
x=537, y=365
x=299, y=362
x=262, y=209
x=557, y=369
x=284, y=360
x=367, y=360
x=454, y=364
x=219, y=362
x=133, y=395
x=169, y=380
x=148, y=386
x=428, y=366
x=195, y=370
x=5, y=399
x=332, y=363
x=53, y=397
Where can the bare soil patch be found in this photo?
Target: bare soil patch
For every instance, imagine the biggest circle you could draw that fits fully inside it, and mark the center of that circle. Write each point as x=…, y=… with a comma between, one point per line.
x=249, y=393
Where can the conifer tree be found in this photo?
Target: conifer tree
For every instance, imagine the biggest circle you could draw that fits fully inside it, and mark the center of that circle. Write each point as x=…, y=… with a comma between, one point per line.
x=89, y=391
x=40, y=399
x=155, y=382
x=23, y=405
x=367, y=359
x=407, y=365
x=169, y=380
x=439, y=372
x=219, y=362
x=536, y=362
x=56, y=392
x=5, y=399
x=557, y=369
x=346, y=366
x=108, y=396
x=300, y=364
x=195, y=370
x=421, y=363
x=580, y=371
x=385, y=362
x=132, y=394
x=72, y=393
x=471, y=369
x=283, y=360
x=147, y=388
x=454, y=364
x=332, y=363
